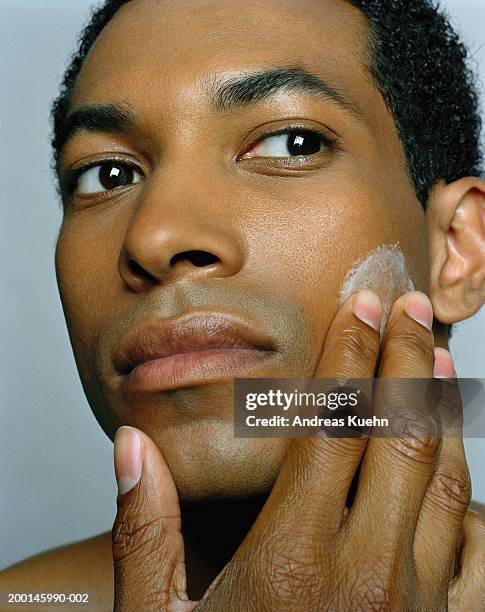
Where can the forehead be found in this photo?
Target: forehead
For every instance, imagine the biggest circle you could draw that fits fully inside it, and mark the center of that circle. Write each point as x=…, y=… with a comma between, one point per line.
x=155, y=47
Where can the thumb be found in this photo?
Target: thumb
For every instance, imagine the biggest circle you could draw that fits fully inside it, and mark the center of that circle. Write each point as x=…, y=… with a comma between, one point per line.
x=148, y=547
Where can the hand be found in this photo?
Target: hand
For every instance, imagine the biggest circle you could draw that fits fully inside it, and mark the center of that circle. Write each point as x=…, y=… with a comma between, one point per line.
x=394, y=549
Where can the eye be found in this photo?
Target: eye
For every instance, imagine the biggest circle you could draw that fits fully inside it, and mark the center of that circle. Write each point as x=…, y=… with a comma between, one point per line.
x=291, y=143
x=105, y=176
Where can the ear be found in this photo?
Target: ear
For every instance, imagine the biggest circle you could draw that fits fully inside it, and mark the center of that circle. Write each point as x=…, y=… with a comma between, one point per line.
x=456, y=231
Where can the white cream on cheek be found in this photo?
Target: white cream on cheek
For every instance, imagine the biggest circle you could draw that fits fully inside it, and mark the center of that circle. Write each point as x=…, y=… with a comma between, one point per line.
x=384, y=271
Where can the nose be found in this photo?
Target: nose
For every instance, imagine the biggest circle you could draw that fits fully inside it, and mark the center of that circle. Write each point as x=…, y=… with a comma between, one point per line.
x=176, y=234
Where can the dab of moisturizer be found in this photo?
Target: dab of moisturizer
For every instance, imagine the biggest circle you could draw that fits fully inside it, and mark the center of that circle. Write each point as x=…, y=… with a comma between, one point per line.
x=384, y=271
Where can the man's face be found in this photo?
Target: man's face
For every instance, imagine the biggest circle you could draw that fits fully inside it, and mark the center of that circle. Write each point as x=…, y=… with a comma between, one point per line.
x=221, y=216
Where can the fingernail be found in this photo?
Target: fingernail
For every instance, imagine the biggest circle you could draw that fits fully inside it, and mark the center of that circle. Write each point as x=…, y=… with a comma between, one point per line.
x=443, y=364
x=367, y=307
x=127, y=458
x=418, y=306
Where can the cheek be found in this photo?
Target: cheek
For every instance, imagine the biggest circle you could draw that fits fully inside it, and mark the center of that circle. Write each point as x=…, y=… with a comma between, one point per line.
x=385, y=271
x=307, y=248
x=87, y=253
x=311, y=243
x=84, y=273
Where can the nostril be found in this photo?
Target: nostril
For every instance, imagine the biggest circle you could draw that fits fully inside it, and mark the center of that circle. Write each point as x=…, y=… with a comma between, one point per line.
x=196, y=258
x=139, y=271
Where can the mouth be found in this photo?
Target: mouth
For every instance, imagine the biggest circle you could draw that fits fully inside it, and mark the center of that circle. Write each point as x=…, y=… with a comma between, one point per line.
x=188, y=351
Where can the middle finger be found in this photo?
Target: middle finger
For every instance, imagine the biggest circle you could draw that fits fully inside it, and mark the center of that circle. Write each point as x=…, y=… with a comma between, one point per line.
x=396, y=470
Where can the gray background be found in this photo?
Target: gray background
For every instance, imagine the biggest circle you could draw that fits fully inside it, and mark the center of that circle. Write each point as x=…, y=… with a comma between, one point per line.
x=57, y=482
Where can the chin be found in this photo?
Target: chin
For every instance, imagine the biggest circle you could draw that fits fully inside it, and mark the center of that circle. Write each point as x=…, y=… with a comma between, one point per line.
x=221, y=467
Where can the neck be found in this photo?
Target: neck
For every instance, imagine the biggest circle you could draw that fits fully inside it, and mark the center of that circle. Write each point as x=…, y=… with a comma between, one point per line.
x=212, y=533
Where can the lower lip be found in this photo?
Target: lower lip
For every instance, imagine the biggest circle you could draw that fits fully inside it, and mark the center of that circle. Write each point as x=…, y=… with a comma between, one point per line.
x=193, y=369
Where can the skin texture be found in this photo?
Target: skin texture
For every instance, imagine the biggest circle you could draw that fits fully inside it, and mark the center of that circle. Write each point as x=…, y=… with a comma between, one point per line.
x=283, y=236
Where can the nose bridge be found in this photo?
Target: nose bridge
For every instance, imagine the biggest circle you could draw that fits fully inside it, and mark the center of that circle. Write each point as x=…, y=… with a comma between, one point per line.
x=181, y=228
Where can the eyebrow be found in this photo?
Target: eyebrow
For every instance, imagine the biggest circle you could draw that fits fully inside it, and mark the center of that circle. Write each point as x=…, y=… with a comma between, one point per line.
x=256, y=87
x=237, y=92
x=115, y=118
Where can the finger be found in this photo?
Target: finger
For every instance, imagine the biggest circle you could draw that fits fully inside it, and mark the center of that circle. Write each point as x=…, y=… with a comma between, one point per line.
x=148, y=549
x=317, y=471
x=467, y=591
x=396, y=469
x=352, y=342
x=448, y=495
x=408, y=344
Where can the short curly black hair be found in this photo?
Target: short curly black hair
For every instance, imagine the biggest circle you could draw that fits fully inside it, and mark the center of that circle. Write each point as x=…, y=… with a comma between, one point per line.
x=418, y=63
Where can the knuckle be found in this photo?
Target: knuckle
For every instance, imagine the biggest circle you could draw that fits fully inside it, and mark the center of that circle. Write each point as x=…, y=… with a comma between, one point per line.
x=370, y=595
x=415, y=424
x=379, y=588
x=289, y=573
x=288, y=570
x=451, y=490
x=417, y=446
x=289, y=577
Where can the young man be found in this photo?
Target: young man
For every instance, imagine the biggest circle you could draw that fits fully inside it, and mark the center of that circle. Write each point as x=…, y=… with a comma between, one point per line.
x=222, y=166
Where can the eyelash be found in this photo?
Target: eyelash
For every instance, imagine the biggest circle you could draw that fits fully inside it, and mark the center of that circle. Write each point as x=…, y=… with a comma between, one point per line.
x=72, y=177
x=330, y=142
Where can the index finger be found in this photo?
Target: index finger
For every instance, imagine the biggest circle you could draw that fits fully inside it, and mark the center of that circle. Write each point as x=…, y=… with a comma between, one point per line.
x=396, y=469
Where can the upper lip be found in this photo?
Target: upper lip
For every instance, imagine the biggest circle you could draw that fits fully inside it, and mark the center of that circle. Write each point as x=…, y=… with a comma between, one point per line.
x=193, y=332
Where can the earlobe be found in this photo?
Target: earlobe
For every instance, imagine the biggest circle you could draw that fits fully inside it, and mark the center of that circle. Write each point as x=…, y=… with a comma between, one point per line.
x=456, y=229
